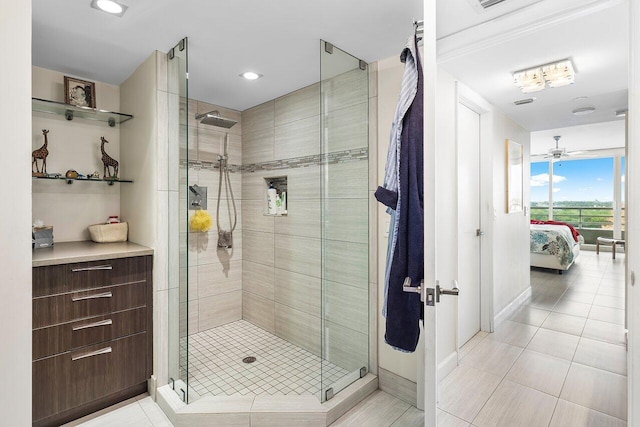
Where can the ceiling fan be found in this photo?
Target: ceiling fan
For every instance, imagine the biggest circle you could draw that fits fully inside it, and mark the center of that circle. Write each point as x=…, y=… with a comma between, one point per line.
x=558, y=153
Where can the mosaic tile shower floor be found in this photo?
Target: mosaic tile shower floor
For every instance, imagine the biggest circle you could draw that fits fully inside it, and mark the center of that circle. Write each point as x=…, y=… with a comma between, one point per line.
x=281, y=368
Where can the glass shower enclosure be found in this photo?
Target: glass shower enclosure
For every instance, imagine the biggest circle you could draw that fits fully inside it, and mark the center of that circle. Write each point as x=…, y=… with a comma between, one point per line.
x=286, y=311
x=177, y=162
x=344, y=183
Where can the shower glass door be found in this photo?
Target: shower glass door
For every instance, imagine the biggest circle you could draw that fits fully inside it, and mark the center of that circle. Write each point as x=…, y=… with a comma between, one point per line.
x=178, y=267
x=344, y=148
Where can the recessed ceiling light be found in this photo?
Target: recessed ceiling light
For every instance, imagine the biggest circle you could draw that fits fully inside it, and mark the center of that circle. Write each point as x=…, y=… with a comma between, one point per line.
x=250, y=75
x=581, y=98
x=109, y=6
x=583, y=111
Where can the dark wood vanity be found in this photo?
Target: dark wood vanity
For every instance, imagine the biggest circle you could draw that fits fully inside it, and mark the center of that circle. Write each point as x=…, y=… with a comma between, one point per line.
x=92, y=328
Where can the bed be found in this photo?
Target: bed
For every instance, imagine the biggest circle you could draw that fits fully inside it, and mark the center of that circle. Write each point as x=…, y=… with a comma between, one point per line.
x=554, y=245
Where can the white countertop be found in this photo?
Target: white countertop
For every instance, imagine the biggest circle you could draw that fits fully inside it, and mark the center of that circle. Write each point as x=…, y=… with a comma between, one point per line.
x=68, y=252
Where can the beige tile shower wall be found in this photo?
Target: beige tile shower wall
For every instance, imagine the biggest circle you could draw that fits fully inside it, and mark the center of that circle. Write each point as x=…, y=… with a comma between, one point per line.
x=214, y=275
x=282, y=263
x=74, y=145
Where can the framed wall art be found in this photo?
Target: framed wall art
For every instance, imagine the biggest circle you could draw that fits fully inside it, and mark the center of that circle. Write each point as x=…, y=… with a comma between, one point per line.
x=515, y=169
x=79, y=93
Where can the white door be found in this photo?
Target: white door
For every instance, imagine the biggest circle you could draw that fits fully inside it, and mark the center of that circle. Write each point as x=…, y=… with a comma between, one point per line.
x=468, y=123
x=429, y=69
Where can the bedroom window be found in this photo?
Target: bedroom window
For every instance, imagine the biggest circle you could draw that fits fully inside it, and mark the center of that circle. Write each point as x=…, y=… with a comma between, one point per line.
x=539, y=192
x=587, y=193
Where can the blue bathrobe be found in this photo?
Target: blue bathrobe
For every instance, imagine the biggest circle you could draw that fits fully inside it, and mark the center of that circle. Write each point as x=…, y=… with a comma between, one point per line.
x=404, y=310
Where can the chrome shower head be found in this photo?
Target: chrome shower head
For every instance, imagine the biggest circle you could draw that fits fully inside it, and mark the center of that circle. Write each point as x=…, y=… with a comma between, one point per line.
x=214, y=118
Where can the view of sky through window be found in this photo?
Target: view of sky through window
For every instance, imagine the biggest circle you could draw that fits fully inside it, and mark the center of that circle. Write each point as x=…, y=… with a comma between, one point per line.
x=582, y=180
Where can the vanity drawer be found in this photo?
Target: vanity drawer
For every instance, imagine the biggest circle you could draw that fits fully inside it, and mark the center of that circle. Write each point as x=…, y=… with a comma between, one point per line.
x=53, y=310
x=58, y=279
x=82, y=376
x=73, y=335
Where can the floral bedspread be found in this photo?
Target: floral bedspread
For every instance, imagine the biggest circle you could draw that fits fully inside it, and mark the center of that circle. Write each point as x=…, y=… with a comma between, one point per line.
x=553, y=240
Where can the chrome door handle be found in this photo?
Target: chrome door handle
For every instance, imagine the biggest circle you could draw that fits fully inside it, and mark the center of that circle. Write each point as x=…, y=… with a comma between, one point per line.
x=93, y=353
x=455, y=291
x=94, y=296
x=97, y=267
x=93, y=325
x=406, y=287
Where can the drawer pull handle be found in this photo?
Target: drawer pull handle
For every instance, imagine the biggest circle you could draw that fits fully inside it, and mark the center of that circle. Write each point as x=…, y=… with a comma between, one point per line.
x=97, y=267
x=94, y=296
x=93, y=353
x=93, y=325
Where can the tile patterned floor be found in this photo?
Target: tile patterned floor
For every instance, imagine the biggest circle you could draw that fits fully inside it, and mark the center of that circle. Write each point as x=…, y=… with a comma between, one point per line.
x=281, y=368
x=543, y=367
x=560, y=360
x=140, y=411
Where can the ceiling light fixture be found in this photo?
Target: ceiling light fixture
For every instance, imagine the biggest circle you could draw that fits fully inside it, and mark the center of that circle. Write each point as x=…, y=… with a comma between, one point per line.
x=583, y=111
x=555, y=74
x=109, y=6
x=559, y=74
x=250, y=75
x=529, y=80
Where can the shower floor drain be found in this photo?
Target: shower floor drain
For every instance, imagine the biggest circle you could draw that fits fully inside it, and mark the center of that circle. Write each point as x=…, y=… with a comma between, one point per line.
x=249, y=359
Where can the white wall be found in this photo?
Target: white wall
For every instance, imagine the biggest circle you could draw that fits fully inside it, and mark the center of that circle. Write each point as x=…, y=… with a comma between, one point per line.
x=74, y=145
x=508, y=233
x=15, y=215
x=150, y=204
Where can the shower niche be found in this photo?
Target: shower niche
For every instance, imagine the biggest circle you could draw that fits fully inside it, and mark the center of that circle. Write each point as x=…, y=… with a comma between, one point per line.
x=276, y=203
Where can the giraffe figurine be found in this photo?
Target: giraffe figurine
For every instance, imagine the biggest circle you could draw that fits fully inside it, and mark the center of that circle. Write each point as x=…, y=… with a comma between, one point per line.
x=40, y=153
x=108, y=161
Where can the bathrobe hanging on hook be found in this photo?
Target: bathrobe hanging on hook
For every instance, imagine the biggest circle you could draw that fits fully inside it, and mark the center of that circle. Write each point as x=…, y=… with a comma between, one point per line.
x=402, y=193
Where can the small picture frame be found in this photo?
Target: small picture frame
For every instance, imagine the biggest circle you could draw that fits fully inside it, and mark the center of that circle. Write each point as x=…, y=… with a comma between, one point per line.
x=79, y=93
x=514, y=176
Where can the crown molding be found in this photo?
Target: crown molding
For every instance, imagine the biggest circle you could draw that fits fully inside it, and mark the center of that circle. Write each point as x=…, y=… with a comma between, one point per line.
x=519, y=23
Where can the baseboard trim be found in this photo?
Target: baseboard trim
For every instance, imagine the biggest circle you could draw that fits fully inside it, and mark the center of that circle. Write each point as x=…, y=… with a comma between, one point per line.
x=152, y=385
x=400, y=387
x=447, y=365
x=511, y=308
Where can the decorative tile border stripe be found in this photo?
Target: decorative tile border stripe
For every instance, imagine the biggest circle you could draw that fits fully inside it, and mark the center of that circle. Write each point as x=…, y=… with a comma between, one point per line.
x=292, y=163
x=304, y=161
x=200, y=165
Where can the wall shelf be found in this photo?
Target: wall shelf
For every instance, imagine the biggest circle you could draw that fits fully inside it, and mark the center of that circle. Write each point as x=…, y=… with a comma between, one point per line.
x=70, y=112
x=71, y=180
